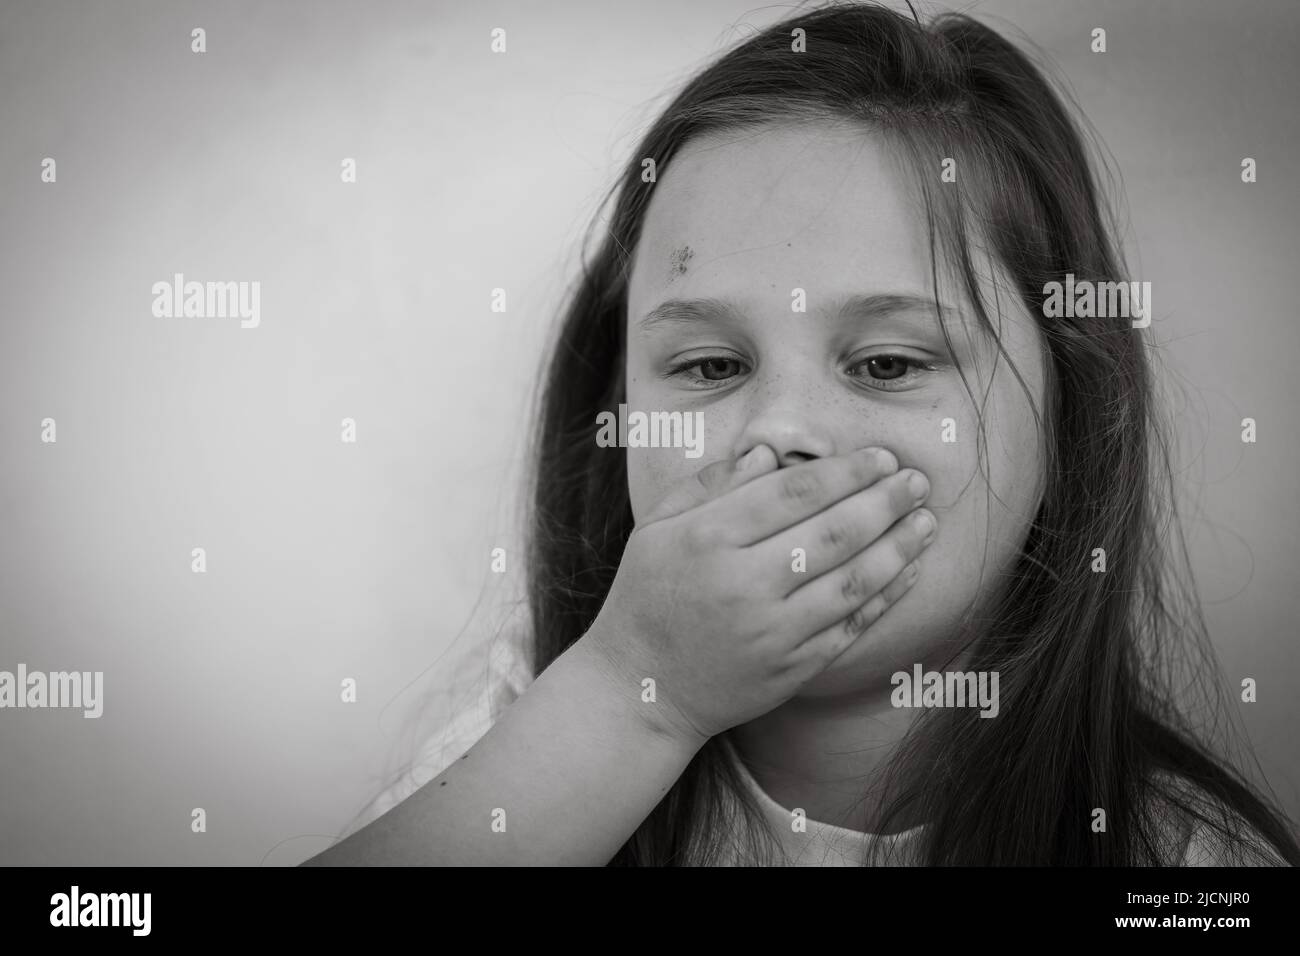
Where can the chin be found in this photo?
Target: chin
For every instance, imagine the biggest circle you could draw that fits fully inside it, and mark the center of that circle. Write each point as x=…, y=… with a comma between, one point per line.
x=902, y=638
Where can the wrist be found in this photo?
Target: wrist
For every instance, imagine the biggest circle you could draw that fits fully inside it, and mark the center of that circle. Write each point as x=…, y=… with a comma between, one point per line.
x=624, y=680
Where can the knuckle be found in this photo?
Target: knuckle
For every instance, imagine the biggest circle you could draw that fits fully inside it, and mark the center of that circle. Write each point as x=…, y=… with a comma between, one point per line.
x=732, y=602
x=871, y=611
x=857, y=623
x=835, y=537
x=697, y=537
x=854, y=585
x=801, y=486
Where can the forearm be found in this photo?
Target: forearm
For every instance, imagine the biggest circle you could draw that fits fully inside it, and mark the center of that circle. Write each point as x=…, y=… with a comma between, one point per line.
x=567, y=773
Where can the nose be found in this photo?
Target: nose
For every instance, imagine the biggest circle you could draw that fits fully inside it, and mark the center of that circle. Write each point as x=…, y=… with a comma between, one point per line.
x=792, y=423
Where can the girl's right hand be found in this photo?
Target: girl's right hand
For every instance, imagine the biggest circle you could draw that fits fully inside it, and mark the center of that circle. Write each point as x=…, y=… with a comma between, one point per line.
x=708, y=604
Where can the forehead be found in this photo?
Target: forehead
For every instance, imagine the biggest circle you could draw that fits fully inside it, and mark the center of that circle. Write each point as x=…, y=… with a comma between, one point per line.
x=759, y=212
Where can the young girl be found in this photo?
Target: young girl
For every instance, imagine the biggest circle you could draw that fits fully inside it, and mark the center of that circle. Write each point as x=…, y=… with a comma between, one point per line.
x=833, y=248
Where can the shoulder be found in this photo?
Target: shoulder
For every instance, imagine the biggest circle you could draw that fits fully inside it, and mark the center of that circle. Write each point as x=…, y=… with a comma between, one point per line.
x=510, y=663
x=484, y=680
x=1198, y=830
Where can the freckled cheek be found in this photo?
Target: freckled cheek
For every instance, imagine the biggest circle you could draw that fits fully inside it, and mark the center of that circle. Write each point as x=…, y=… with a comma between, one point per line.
x=652, y=472
x=936, y=444
x=984, y=508
x=645, y=479
x=950, y=499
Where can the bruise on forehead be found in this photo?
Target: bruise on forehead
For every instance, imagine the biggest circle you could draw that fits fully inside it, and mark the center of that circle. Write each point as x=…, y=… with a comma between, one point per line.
x=677, y=262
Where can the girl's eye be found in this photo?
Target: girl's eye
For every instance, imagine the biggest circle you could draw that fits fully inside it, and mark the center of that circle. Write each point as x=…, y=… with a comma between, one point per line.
x=886, y=366
x=718, y=369
x=713, y=368
x=891, y=372
x=885, y=372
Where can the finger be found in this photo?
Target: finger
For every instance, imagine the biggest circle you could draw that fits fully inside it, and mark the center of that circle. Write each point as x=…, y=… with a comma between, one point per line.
x=827, y=646
x=713, y=481
x=845, y=590
x=778, y=500
x=832, y=537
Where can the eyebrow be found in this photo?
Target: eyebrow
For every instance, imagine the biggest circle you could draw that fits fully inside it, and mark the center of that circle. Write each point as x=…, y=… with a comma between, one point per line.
x=683, y=312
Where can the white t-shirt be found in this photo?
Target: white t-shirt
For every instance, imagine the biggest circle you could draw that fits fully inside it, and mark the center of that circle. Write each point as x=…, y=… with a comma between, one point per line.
x=813, y=843
x=489, y=679
x=498, y=672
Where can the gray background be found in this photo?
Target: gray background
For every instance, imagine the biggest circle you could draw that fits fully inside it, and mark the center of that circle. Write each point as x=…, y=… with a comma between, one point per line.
x=328, y=560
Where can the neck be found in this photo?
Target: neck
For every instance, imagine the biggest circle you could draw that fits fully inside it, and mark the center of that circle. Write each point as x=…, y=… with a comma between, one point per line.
x=827, y=755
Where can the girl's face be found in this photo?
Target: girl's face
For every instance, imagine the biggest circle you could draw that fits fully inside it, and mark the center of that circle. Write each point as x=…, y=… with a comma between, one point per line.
x=751, y=219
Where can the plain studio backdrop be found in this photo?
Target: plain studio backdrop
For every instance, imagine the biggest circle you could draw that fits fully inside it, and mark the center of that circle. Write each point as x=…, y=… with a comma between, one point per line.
x=328, y=560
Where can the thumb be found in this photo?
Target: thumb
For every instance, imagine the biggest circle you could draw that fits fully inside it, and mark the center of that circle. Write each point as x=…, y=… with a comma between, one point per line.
x=712, y=481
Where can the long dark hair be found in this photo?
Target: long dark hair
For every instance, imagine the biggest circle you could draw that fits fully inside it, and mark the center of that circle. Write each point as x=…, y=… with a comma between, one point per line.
x=1087, y=660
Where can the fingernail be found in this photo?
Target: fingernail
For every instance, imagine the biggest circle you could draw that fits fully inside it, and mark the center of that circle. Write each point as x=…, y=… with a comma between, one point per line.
x=918, y=484
x=748, y=458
